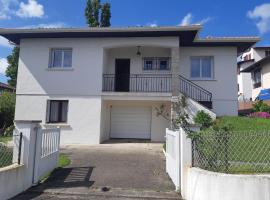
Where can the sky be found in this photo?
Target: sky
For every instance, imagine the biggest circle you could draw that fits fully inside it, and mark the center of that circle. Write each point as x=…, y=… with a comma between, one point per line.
x=219, y=18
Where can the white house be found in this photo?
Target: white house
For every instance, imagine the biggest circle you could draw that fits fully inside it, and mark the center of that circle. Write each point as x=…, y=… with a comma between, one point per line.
x=248, y=88
x=101, y=83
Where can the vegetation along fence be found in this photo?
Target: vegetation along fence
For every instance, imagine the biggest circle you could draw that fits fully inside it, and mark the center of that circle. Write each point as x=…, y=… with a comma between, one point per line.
x=7, y=152
x=232, y=152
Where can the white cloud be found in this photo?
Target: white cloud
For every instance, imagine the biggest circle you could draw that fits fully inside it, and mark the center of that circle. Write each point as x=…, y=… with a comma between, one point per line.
x=3, y=65
x=152, y=24
x=51, y=25
x=6, y=8
x=186, y=20
x=205, y=20
x=4, y=42
x=30, y=9
x=261, y=15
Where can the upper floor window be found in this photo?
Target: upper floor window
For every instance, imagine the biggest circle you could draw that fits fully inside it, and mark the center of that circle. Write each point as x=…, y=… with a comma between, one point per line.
x=257, y=76
x=267, y=53
x=202, y=67
x=156, y=63
x=60, y=58
x=57, y=111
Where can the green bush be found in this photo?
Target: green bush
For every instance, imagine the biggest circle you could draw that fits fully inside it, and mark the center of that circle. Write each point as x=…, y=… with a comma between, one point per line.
x=9, y=130
x=7, y=109
x=204, y=119
x=260, y=106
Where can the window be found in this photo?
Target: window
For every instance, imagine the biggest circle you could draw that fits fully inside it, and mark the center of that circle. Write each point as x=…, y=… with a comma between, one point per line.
x=201, y=67
x=156, y=63
x=257, y=78
x=267, y=53
x=60, y=58
x=57, y=111
x=149, y=64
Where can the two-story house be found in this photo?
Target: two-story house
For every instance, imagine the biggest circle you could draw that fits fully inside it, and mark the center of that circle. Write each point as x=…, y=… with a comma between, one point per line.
x=249, y=81
x=101, y=83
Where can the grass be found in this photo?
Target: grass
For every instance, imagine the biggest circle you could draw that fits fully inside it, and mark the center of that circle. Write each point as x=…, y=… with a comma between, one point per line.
x=5, y=139
x=248, y=147
x=247, y=123
x=63, y=160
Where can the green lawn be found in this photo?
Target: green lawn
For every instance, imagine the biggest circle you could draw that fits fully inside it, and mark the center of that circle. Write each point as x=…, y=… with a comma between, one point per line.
x=247, y=148
x=247, y=124
x=5, y=139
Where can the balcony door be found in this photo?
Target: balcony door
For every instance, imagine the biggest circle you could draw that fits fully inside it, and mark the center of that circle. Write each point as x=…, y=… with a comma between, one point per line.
x=122, y=75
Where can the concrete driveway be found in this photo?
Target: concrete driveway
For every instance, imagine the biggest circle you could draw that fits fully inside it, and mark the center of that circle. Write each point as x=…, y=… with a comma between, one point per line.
x=124, y=170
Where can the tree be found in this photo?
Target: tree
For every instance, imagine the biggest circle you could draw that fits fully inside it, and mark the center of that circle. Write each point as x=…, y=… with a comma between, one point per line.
x=97, y=15
x=7, y=109
x=105, y=15
x=12, y=68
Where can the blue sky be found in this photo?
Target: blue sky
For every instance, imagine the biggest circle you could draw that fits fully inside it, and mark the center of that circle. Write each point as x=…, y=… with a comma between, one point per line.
x=220, y=18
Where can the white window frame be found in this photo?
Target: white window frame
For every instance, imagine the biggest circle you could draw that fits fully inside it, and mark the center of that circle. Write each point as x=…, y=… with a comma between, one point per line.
x=212, y=68
x=156, y=63
x=51, y=58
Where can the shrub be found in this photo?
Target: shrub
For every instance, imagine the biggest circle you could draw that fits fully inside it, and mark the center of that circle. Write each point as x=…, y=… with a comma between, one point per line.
x=7, y=109
x=204, y=119
x=9, y=130
x=264, y=115
x=260, y=106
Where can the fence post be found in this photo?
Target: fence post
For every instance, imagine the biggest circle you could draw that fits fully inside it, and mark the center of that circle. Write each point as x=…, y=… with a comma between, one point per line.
x=20, y=149
x=186, y=158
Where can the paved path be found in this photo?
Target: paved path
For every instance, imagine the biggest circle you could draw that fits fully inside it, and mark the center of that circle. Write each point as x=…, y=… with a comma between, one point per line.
x=126, y=170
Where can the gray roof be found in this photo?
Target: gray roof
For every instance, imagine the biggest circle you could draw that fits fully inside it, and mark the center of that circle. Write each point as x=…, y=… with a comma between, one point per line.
x=257, y=64
x=188, y=35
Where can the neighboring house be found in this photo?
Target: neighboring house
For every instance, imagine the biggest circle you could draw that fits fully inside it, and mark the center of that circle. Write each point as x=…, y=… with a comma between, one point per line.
x=260, y=75
x=101, y=83
x=247, y=82
x=6, y=88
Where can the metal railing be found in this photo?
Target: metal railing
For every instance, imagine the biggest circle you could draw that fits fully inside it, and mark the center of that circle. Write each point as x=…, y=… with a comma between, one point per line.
x=7, y=146
x=137, y=83
x=194, y=91
x=234, y=152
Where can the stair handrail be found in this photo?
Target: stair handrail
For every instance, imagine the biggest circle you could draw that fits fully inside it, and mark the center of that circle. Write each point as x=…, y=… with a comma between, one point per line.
x=192, y=84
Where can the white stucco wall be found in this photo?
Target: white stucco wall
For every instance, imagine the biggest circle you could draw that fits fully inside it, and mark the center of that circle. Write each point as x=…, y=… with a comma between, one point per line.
x=224, y=84
x=206, y=185
x=83, y=125
x=136, y=62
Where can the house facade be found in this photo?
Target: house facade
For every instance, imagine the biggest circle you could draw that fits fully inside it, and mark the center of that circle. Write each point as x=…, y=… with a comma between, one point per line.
x=260, y=77
x=6, y=88
x=249, y=81
x=102, y=83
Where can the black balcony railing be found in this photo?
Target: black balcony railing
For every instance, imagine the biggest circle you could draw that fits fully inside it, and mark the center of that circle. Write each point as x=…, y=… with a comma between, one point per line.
x=137, y=83
x=194, y=91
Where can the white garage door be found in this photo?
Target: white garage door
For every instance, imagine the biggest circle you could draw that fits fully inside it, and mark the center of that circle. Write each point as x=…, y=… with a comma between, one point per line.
x=131, y=122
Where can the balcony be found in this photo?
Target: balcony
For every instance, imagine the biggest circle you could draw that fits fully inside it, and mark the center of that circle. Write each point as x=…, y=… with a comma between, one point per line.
x=160, y=83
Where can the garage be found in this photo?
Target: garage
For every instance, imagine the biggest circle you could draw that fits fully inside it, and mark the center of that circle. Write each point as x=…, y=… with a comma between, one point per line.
x=130, y=122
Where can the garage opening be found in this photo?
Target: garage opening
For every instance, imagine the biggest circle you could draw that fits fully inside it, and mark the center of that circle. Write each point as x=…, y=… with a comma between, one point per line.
x=130, y=122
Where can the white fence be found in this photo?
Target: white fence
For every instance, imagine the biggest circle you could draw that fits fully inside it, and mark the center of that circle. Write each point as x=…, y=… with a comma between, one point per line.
x=200, y=184
x=39, y=156
x=47, y=152
x=173, y=156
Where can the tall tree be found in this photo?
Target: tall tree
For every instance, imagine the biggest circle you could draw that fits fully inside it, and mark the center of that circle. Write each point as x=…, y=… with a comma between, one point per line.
x=97, y=15
x=89, y=13
x=96, y=9
x=105, y=20
x=12, y=68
